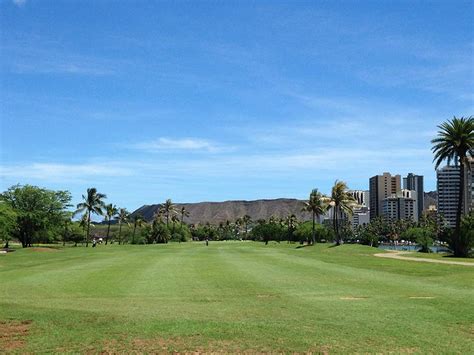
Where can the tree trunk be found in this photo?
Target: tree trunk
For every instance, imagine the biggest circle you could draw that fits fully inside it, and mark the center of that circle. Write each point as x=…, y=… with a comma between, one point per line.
x=313, y=236
x=88, y=228
x=134, y=230
x=108, y=233
x=120, y=232
x=459, y=249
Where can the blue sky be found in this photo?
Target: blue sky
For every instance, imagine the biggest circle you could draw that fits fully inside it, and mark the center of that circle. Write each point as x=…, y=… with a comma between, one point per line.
x=195, y=101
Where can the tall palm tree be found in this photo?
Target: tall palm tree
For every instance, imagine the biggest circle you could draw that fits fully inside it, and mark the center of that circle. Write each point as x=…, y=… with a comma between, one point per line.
x=138, y=221
x=93, y=203
x=184, y=213
x=122, y=218
x=110, y=212
x=83, y=223
x=342, y=204
x=246, y=220
x=168, y=209
x=317, y=206
x=455, y=143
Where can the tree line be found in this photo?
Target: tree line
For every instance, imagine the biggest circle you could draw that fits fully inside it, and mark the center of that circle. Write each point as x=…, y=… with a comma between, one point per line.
x=32, y=214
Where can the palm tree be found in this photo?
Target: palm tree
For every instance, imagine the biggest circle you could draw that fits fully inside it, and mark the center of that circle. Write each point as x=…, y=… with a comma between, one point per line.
x=291, y=223
x=168, y=209
x=238, y=224
x=184, y=213
x=138, y=221
x=246, y=220
x=122, y=217
x=83, y=223
x=93, y=203
x=317, y=205
x=341, y=203
x=455, y=143
x=110, y=212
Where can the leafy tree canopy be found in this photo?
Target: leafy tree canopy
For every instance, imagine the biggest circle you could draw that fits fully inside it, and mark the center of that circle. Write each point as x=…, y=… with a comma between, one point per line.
x=36, y=209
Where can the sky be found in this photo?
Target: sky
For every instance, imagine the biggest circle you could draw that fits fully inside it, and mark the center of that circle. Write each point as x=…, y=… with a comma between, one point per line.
x=221, y=100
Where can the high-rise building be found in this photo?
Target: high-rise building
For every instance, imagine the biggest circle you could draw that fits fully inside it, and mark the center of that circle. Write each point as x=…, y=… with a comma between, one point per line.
x=448, y=191
x=360, y=212
x=360, y=196
x=415, y=182
x=360, y=216
x=381, y=187
x=401, y=206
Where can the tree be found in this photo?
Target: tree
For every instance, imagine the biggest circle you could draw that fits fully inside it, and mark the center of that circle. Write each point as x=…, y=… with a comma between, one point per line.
x=341, y=203
x=83, y=223
x=423, y=236
x=317, y=206
x=455, y=143
x=246, y=220
x=93, y=204
x=267, y=231
x=8, y=223
x=110, y=212
x=37, y=210
x=122, y=217
x=239, y=222
x=138, y=221
x=291, y=223
x=168, y=209
x=467, y=232
x=67, y=224
x=184, y=213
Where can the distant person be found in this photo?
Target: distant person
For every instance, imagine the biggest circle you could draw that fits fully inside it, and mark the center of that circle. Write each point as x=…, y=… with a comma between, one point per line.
x=207, y=241
x=94, y=243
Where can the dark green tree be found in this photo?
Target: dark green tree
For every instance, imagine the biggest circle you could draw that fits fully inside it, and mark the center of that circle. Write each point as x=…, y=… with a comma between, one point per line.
x=455, y=143
x=8, y=223
x=36, y=209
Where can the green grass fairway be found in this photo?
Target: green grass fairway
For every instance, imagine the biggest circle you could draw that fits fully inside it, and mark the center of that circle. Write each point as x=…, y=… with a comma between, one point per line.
x=234, y=297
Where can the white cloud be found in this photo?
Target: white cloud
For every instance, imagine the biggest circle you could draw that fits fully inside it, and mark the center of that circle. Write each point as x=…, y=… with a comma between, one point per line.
x=186, y=144
x=55, y=172
x=19, y=3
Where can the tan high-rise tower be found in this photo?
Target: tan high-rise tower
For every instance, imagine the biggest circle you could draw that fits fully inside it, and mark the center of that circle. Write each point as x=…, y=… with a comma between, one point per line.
x=380, y=188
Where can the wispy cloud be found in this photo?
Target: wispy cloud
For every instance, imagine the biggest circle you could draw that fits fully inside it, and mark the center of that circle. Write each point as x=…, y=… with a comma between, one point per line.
x=59, y=171
x=35, y=54
x=185, y=144
x=19, y=3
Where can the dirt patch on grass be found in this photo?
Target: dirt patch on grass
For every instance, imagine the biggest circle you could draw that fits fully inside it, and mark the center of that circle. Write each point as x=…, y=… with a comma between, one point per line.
x=182, y=345
x=44, y=249
x=351, y=298
x=13, y=334
x=421, y=297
